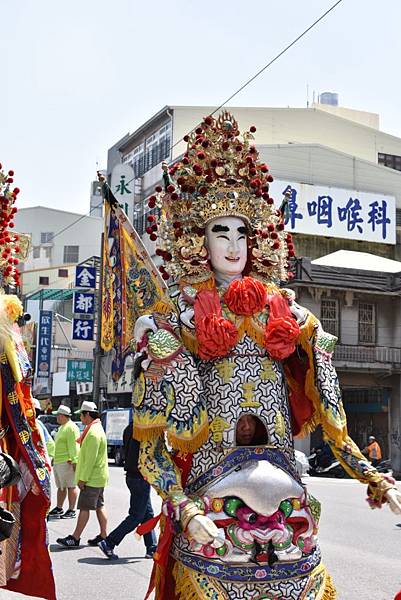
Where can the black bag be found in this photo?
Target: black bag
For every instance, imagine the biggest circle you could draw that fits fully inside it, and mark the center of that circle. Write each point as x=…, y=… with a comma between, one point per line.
x=7, y=521
x=9, y=470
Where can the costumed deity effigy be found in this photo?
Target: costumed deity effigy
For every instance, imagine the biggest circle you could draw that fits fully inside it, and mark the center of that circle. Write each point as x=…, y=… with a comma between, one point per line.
x=229, y=369
x=25, y=564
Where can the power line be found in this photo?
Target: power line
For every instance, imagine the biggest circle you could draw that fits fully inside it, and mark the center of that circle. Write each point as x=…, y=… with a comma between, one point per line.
x=277, y=56
x=273, y=60
x=72, y=224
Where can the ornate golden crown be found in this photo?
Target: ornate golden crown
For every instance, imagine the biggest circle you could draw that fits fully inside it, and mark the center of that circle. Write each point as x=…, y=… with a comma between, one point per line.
x=219, y=175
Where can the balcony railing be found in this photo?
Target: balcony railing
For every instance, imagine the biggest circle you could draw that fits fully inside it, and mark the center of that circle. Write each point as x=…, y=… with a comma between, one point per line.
x=368, y=354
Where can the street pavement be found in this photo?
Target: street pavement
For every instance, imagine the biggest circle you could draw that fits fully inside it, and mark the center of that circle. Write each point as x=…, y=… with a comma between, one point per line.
x=360, y=547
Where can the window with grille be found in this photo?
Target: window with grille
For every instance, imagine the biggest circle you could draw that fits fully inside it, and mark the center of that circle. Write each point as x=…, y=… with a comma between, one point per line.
x=150, y=153
x=329, y=316
x=367, y=323
x=36, y=252
x=71, y=254
x=389, y=160
x=46, y=237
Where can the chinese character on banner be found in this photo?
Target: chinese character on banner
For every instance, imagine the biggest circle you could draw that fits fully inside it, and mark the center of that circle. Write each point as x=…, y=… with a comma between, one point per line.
x=44, y=343
x=378, y=216
x=82, y=329
x=290, y=208
x=85, y=277
x=351, y=214
x=322, y=210
x=122, y=188
x=84, y=303
x=79, y=370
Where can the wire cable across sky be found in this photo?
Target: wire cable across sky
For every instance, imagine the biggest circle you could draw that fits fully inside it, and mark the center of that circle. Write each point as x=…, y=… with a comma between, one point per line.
x=240, y=89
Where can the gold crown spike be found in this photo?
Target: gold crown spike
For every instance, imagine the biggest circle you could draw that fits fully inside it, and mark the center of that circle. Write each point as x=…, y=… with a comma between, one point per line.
x=219, y=175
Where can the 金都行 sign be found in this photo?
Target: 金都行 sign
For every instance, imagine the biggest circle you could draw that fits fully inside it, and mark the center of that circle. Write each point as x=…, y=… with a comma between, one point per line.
x=85, y=277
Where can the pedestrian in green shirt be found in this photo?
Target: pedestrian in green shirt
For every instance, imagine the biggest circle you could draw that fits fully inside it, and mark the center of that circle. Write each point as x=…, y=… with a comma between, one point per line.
x=92, y=474
x=47, y=439
x=65, y=461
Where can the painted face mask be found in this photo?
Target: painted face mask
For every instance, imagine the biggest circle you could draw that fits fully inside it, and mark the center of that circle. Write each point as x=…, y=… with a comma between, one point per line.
x=226, y=240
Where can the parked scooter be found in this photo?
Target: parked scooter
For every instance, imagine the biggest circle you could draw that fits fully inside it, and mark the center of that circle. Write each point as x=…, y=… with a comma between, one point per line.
x=384, y=466
x=322, y=463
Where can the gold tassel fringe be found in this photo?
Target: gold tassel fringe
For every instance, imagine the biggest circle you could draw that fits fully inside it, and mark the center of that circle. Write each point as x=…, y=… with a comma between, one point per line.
x=192, y=444
x=147, y=434
x=184, y=587
x=163, y=306
x=329, y=589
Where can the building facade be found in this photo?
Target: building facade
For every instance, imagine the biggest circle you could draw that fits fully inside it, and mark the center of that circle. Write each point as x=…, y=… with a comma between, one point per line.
x=59, y=241
x=323, y=151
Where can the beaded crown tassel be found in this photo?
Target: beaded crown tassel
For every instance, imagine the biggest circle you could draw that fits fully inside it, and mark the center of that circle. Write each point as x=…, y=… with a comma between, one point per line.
x=219, y=175
x=13, y=246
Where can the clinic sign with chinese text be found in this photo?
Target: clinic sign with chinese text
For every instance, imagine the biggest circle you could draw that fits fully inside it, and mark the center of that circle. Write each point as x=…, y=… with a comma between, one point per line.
x=79, y=370
x=337, y=212
x=44, y=353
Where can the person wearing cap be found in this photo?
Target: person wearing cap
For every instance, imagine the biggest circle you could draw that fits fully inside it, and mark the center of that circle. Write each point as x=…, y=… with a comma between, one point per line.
x=47, y=439
x=373, y=450
x=92, y=474
x=65, y=460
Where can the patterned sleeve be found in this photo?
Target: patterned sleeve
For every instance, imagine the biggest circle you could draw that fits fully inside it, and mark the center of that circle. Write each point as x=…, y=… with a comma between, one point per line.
x=158, y=468
x=333, y=420
x=168, y=395
x=169, y=408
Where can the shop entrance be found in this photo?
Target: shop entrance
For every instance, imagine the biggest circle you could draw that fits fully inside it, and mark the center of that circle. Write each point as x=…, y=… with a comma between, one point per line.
x=367, y=414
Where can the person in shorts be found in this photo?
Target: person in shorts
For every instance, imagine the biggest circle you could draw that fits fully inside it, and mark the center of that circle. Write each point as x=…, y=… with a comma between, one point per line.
x=91, y=475
x=64, y=464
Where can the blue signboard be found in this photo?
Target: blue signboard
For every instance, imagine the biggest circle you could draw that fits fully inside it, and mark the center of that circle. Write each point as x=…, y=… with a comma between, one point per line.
x=84, y=303
x=82, y=329
x=44, y=353
x=85, y=277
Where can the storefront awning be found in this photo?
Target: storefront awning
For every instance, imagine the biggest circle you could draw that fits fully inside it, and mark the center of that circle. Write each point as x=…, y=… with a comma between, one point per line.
x=51, y=294
x=349, y=259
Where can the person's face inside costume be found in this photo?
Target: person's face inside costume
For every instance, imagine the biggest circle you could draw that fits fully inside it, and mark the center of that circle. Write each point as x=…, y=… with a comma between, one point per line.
x=226, y=241
x=246, y=429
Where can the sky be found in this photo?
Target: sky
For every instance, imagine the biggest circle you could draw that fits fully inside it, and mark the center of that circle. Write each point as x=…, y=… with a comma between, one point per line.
x=76, y=76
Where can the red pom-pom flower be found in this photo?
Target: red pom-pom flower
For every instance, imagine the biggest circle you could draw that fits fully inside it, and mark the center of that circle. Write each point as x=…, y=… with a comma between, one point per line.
x=216, y=335
x=246, y=296
x=282, y=330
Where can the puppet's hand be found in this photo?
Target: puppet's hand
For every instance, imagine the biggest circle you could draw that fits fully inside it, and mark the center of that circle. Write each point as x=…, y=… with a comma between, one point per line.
x=204, y=531
x=393, y=497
